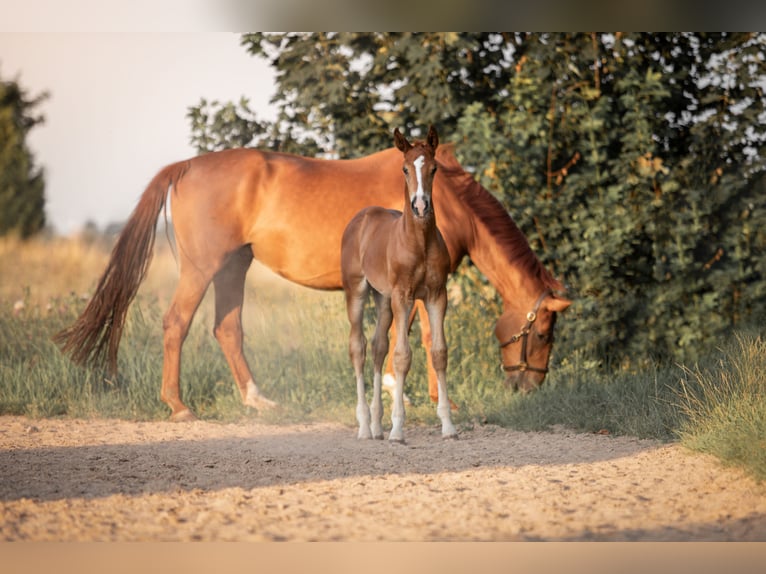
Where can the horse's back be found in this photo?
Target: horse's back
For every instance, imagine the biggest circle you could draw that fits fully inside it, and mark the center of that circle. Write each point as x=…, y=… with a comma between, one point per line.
x=291, y=210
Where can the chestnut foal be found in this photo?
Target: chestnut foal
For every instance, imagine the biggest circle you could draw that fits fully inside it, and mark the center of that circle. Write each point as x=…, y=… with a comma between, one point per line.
x=399, y=256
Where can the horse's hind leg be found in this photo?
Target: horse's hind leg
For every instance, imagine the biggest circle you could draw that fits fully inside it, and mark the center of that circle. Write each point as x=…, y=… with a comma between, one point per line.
x=356, y=295
x=379, y=352
x=229, y=285
x=191, y=287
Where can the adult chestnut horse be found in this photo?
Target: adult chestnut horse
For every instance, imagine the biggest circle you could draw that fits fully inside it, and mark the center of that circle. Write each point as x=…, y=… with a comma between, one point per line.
x=289, y=212
x=399, y=257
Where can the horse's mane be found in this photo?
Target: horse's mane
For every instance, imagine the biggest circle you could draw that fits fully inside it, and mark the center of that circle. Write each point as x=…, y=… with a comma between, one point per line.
x=490, y=213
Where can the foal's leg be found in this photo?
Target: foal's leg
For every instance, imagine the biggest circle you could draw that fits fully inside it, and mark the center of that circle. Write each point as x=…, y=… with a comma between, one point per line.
x=191, y=287
x=229, y=285
x=436, y=310
x=356, y=295
x=379, y=352
x=401, y=304
x=389, y=380
x=426, y=338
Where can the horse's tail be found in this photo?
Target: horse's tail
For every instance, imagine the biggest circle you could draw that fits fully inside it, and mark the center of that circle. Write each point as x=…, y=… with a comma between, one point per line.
x=93, y=339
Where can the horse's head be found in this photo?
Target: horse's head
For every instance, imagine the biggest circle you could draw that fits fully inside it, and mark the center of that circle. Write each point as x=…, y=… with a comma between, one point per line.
x=526, y=341
x=419, y=169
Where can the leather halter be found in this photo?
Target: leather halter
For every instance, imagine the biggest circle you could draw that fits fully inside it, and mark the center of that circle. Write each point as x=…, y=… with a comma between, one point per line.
x=523, y=335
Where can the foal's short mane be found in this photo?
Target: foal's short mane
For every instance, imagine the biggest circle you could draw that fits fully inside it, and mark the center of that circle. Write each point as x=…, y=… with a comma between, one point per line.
x=493, y=216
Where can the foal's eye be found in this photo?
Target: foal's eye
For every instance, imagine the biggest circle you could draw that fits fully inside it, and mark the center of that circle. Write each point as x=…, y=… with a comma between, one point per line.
x=433, y=170
x=405, y=170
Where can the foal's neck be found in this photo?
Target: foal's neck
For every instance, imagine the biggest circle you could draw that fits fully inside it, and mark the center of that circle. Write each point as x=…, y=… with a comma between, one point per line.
x=420, y=229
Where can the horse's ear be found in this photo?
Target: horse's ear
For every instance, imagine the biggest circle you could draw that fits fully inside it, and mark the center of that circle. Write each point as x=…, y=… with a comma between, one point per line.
x=432, y=138
x=400, y=141
x=556, y=304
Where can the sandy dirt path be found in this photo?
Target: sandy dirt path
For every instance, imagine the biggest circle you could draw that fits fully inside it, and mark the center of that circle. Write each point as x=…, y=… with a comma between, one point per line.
x=109, y=480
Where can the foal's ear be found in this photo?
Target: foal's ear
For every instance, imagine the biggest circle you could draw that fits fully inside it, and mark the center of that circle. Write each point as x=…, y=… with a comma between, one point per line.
x=401, y=142
x=432, y=138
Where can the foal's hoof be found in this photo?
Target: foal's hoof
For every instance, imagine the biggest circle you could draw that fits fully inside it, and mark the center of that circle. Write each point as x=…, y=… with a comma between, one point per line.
x=449, y=436
x=184, y=416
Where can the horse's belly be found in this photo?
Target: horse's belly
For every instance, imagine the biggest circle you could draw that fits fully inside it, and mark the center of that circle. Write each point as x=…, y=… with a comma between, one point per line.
x=313, y=262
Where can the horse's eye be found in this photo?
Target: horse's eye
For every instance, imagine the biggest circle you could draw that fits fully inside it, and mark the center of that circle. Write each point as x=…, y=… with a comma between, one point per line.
x=433, y=170
x=405, y=170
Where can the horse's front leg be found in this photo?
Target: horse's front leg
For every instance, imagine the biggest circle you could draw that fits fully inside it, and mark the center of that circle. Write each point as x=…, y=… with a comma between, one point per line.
x=437, y=308
x=401, y=304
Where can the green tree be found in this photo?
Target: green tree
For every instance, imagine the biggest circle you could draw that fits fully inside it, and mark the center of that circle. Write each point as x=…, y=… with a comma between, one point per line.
x=22, y=184
x=633, y=162
x=343, y=94
x=635, y=165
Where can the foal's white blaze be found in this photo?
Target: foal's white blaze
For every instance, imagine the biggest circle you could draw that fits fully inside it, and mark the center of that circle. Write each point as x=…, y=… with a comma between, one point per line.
x=420, y=203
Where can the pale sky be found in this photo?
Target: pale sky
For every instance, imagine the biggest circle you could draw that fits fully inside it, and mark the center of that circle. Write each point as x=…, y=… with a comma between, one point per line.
x=117, y=109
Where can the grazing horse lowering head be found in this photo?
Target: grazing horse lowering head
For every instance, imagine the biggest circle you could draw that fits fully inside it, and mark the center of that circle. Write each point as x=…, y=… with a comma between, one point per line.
x=526, y=351
x=419, y=170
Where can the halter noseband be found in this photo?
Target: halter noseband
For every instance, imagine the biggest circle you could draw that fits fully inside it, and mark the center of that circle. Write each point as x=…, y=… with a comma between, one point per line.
x=523, y=335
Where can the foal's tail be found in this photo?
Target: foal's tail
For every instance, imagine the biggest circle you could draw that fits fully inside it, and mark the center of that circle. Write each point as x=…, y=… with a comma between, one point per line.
x=95, y=337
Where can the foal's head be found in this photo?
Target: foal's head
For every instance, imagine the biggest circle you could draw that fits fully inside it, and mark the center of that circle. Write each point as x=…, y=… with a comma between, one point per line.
x=419, y=169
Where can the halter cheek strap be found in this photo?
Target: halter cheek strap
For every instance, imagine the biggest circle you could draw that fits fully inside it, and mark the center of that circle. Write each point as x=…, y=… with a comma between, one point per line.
x=523, y=336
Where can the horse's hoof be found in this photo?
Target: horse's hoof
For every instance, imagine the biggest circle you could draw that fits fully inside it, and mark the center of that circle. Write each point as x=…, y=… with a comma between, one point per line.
x=184, y=416
x=254, y=398
x=261, y=403
x=395, y=440
x=378, y=436
x=449, y=436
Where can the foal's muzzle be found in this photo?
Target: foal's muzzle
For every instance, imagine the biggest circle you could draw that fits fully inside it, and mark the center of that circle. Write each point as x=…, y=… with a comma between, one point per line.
x=420, y=206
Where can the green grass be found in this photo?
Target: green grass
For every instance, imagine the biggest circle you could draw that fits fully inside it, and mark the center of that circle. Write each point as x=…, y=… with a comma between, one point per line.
x=296, y=343
x=725, y=405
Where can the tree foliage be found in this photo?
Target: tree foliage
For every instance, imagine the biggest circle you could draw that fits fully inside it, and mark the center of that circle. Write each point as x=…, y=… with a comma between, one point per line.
x=633, y=162
x=22, y=185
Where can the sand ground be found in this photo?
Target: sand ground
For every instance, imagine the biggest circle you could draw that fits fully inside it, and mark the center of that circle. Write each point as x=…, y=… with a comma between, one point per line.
x=112, y=480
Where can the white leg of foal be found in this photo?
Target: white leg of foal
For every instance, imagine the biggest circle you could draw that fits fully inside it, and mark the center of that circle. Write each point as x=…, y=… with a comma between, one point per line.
x=444, y=410
x=397, y=413
x=376, y=408
x=362, y=410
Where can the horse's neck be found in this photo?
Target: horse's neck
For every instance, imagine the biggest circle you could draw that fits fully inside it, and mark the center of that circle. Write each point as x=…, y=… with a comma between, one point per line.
x=419, y=232
x=469, y=235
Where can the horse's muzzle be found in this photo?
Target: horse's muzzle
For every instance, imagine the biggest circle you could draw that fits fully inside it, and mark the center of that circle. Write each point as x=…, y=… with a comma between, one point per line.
x=524, y=382
x=420, y=206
